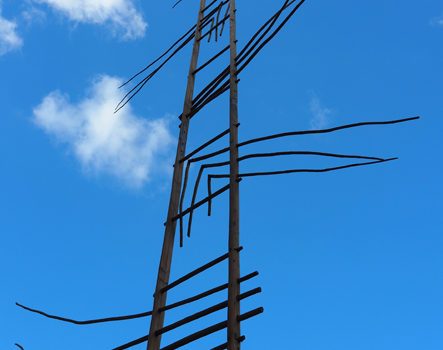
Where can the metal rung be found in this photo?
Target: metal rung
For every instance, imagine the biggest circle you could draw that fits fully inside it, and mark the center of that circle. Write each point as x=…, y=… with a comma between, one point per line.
x=207, y=331
x=207, y=293
x=196, y=272
x=205, y=312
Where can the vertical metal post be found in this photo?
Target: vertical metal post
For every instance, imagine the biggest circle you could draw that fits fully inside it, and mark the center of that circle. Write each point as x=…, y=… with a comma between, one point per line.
x=157, y=319
x=234, y=203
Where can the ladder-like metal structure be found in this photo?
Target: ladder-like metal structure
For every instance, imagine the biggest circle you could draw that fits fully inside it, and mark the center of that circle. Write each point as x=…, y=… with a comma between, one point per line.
x=211, y=21
x=233, y=303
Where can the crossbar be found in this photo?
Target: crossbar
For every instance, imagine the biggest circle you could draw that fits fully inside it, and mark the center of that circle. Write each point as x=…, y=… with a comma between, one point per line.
x=197, y=271
x=206, y=312
x=203, y=201
x=207, y=331
x=207, y=293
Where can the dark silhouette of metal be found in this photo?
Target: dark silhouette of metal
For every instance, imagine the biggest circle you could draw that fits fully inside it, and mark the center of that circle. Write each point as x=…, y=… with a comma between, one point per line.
x=87, y=322
x=211, y=22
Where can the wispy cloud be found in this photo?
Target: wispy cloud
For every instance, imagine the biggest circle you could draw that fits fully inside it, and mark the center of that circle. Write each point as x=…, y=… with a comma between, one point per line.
x=9, y=38
x=320, y=115
x=33, y=15
x=122, y=145
x=437, y=21
x=120, y=15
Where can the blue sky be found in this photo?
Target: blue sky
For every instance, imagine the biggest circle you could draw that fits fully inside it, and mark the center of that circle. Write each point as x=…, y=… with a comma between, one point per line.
x=347, y=260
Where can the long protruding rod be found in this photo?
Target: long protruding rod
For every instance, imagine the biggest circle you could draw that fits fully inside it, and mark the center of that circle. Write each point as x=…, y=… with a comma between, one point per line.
x=233, y=329
x=158, y=316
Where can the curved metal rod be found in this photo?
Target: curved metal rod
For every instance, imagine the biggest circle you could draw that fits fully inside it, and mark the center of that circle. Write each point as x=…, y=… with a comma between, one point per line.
x=324, y=131
x=243, y=50
x=210, y=30
x=305, y=153
x=159, y=58
x=221, y=90
x=204, y=22
x=218, y=20
x=216, y=82
x=101, y=320
x=249, y=156
x=323, y=154
x=210, y=87
x=200, y=203
x=291, y=171
x=185, y=182
x=208, y=6
x=214, y=27
x=282, y=24
x=293, y=133
x=143, y=82
x=199, y=102
x=223, y=25
x=240, y=57
x=194, y=194
x=303, y=132
x=243, y=54
x=178, y=2
x=19, y=346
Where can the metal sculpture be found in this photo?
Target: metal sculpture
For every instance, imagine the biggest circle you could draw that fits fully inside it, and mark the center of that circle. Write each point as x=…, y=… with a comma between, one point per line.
x=211, y=22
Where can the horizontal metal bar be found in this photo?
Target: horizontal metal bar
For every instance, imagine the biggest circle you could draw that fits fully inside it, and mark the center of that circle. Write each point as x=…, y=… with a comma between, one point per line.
x=207, y=331
x=193, y=317
x=205, y=312
x=250, y=314
x=197, y=271
x=249, y=293
x=207, y=293
x=195, y=336
x=206, y=144
x=211, y=60
x=210, y=155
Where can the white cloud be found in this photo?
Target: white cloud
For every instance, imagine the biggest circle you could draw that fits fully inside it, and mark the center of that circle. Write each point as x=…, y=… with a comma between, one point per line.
x=33, y=14
x=437, y=21
x=121, y=15
x=9, y=39
x=320, y=114
x=122, y=145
